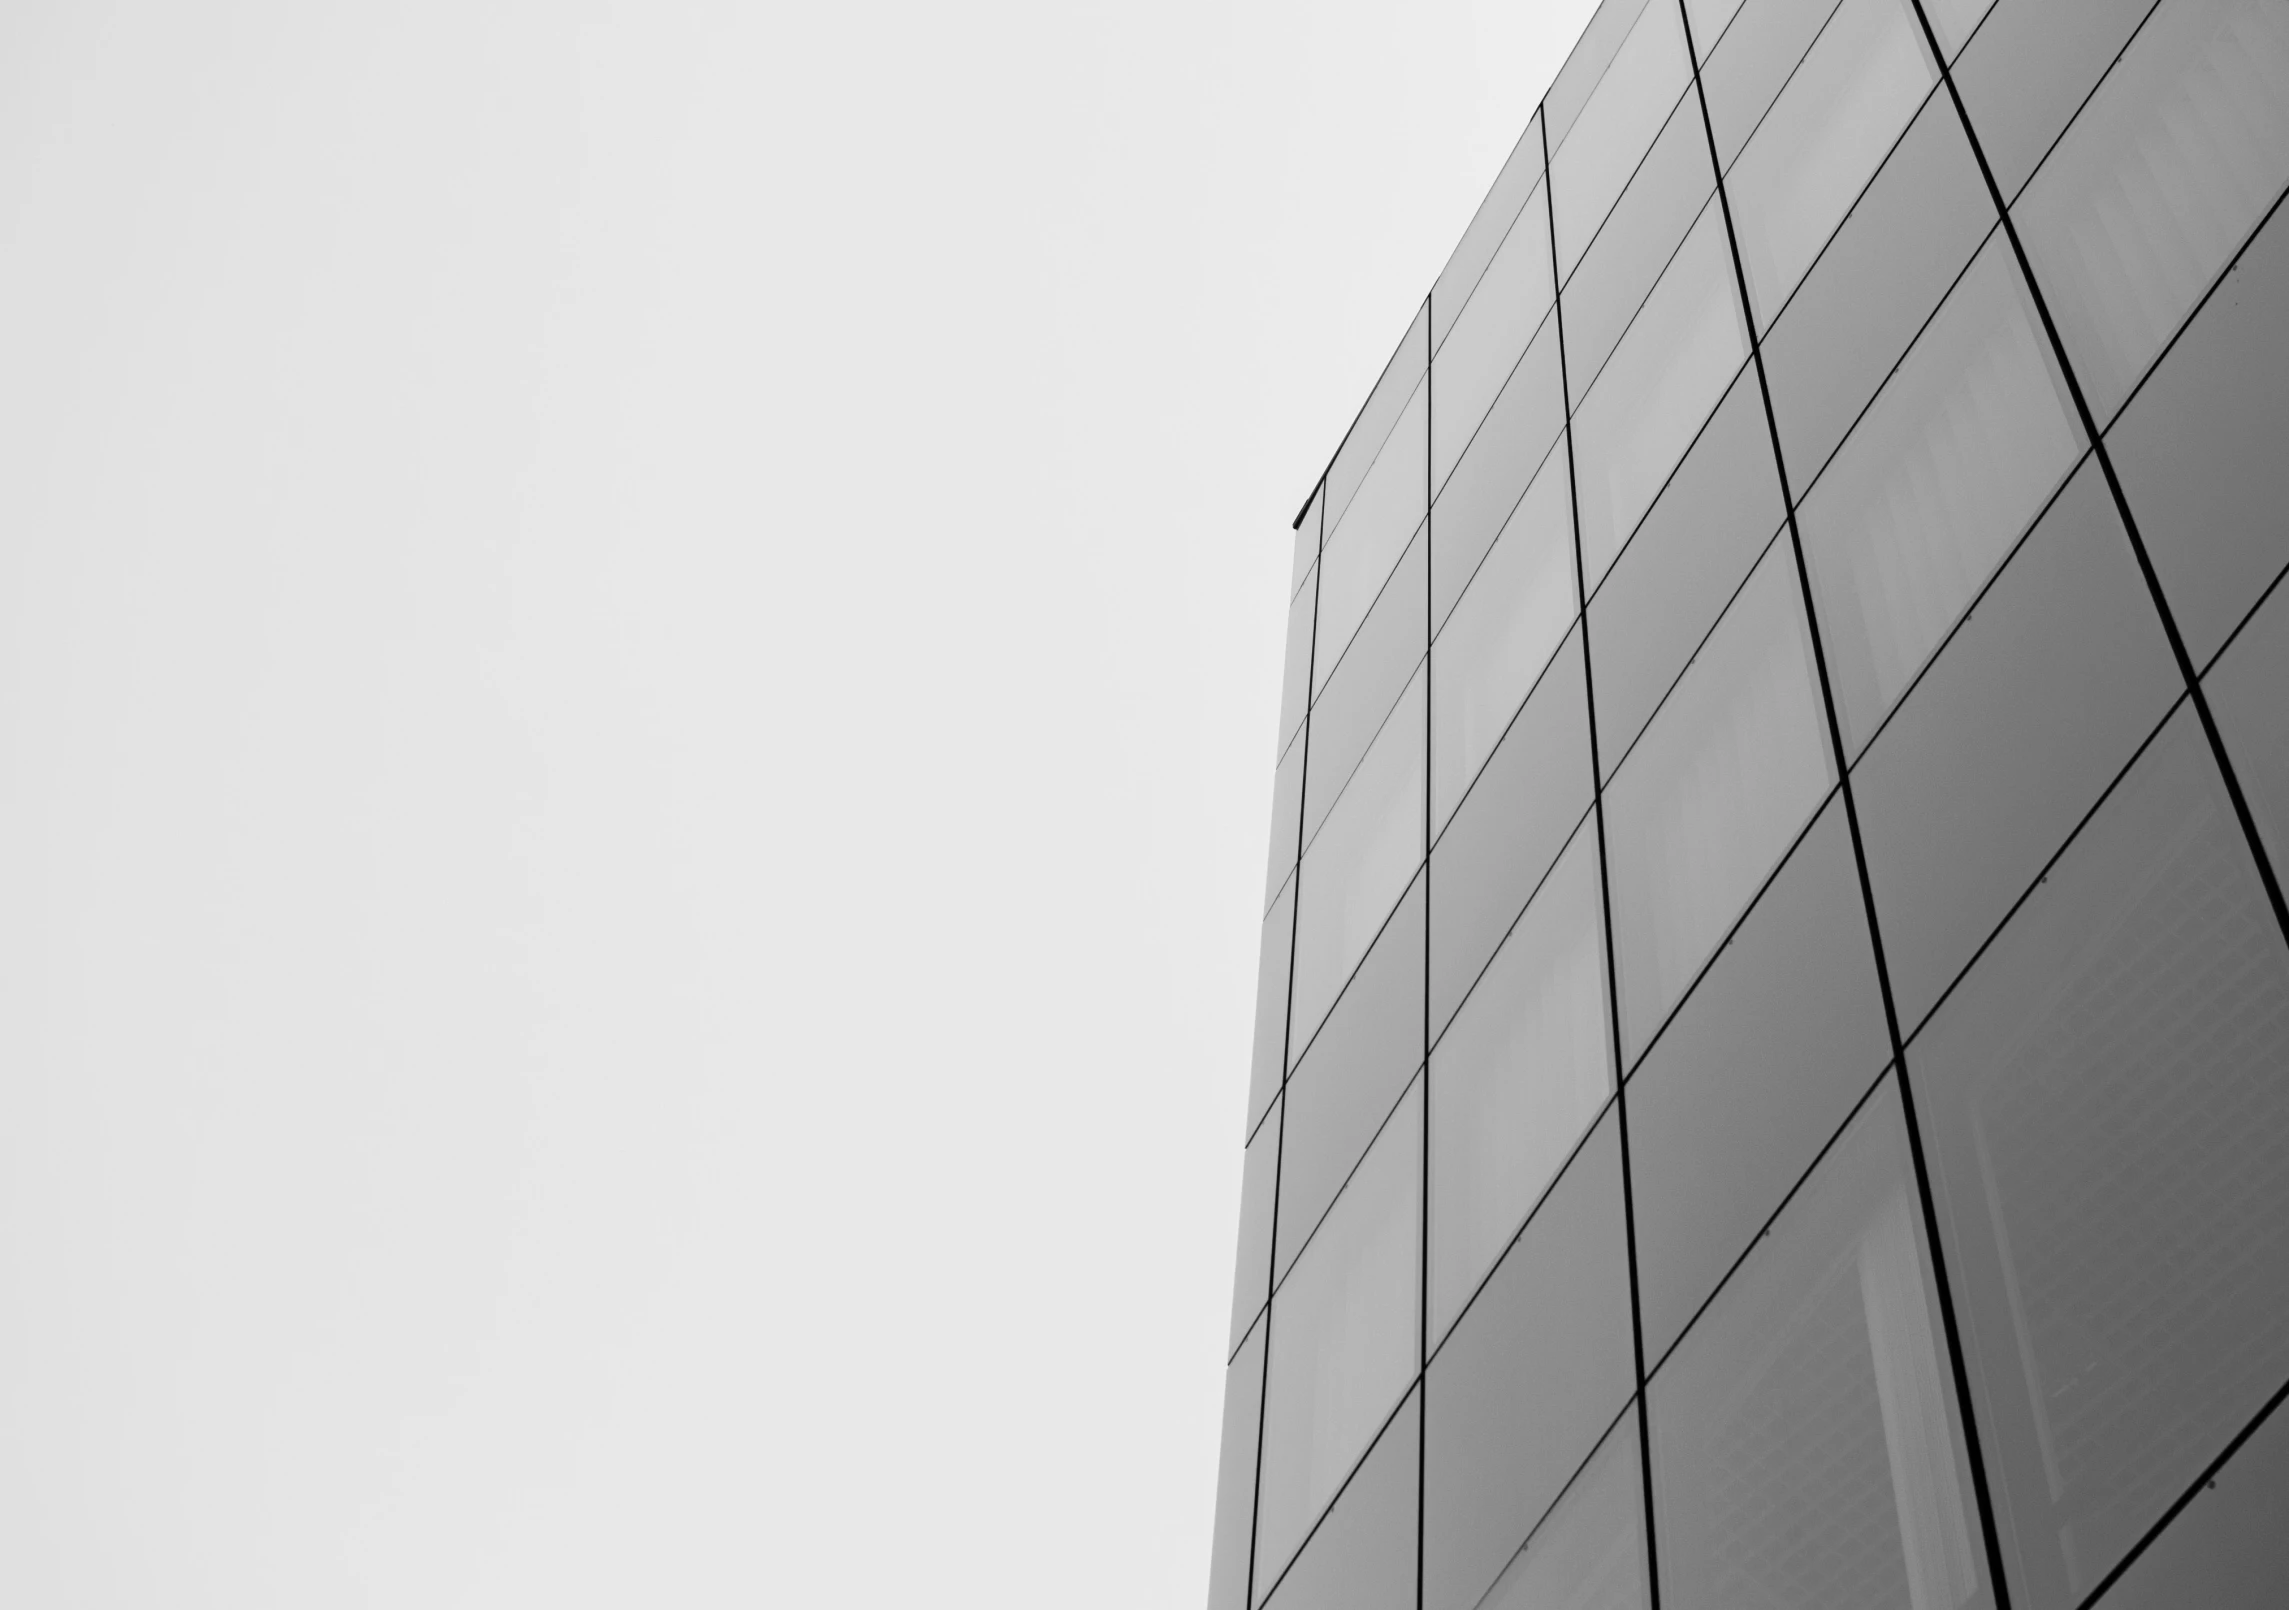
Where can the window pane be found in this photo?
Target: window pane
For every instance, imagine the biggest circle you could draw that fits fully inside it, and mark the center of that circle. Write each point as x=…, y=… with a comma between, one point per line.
x=1361, y=862
x=1287, y=810
x=1860, y=307
x=2161, y=179
x=2107, y=1130
x=1531, y=1378
x=1348, y=1081
x=1344, y=1340
x=1509, y=829
x=1517, y=1077
x=1512, y=450
x=1747, y=67
x=1647, y=406
x=1363, y=687
x=1753, y=1076
x=1589, y=1551
x=1500, y=636
x=1363, y=1555
x=1252, y=1264
x=1957, y=454
x=2245, y=689
x=2034, y=707
x=1376, y=417
x=1295, y=674
x=1710, y=19
x=2030, y=66
x=1504, y=311
x=2199, y=450
x=1857, y=88
x=1236, y=1477
x=1628, y=108
x=1648, y=223
x=1683, y=566
x=1307, y=539
x=1489, y=226
x=1586, y=65
x=1362, y=550
x=1955, y=21
x=1806, y=1445
x=2228, y=1549
x=1268, y=1066
x=1714, y=794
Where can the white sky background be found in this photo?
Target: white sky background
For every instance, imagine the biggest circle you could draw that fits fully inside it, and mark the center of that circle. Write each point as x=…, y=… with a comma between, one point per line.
x=638, y=660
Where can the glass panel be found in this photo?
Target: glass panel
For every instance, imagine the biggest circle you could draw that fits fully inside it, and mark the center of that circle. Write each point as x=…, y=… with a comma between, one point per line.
x=2228, y=1549
x=1295, y=673
x=1252, y=1264
x=1363, y=687
x=1307, y=539
x=2041, y=698
x=1500, y=636
x=2161, y=179
x=1750, y=63
x=1376, y=416
x=2107, y=1132
x=1512, y=449
x=1954, y=21
x=2199, y=450
x=1586, y=65
x=1628, y=108
x=1957, y=454
x=1362, y=550
x=1361, y=862
x=1488, y=227
x=1505, y=310
x=1636, y=243
x=2030, y=66
x=2245, y=690
x=1879, y=279
x=1589, y=1552
x=1710, y=19
x=1713, y=795
x=1757, y=1071
x=1800, y=172
x=1508, y=829
x=1806, y=1446
x=1362, y=1557
x=1348, y=1081
x=1344, y=1339
x=1518, y=1076
x=1236, y=1477
x=1683, y=566
x=1669, y=371
x=1273, y=952
x=1287, y=808
x=1531, y=1378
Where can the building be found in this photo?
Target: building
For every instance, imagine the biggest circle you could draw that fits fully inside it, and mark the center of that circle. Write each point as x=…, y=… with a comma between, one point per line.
x=1771, y=1087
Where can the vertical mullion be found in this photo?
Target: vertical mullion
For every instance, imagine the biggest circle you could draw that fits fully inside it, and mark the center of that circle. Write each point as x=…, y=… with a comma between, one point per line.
x=1989, y=1534
x=1423, y=1071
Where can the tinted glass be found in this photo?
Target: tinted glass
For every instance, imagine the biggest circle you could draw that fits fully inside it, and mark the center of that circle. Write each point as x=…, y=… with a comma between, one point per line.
x=1588, y=1553
x=1344, y=1340
x=1361, y=862
x=2228, y=1550
x=1508, y=829
x=1362, y=550
x=1352, y=1075
x=1954, y=21
x=1517, y=1077
x=1748, y=65
x=1488, y=228
x=1362, y=1557
x=1710, y=19
x=1889, y=265
x=1859, y=84
x=1683, y=566
x=2038, y=701
x=1500, y=636
x=1512, y=449
x=1531, y=1378
x=1295, y=674
x=1714, y=793
x=1752, y=1077
x=1287, y=807
x=1636, y=243
x=1586, y=65
x=1806, y=1445
x=1955, y=457
x=2160, y=180
x=1503, y=312
x=1671, y=368
x=1376, y=417
x=1252, y=1266
x=1363, y=687
x=2199, y=450
x=2245, y=690
x=1627, y=109
x=1236, y=1477
x=1268, y=1065
x=2028, y=68
x=2107, y=1130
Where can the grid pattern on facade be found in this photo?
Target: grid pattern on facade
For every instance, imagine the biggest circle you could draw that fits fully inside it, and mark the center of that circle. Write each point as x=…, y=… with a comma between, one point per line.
x=1774, y=987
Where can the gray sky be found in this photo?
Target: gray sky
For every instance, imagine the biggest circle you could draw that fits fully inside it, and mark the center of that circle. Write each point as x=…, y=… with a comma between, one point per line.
x=638, y=658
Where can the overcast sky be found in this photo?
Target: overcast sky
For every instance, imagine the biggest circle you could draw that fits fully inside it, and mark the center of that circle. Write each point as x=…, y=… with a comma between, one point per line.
x=638, y=661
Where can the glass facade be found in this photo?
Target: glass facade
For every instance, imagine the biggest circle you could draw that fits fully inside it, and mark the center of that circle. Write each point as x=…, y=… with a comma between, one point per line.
x=1771, y=1077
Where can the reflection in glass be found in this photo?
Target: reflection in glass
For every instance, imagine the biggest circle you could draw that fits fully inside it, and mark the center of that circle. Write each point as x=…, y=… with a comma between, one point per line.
x=1489, y=335
x=2159, y=181
x=1619, y=121
x=1589, y=1551
x=1805, y=1443
x=1345, y=1329
x=1953, y=459
x=1714, y=793
x=1517, y=1077
x=1664, y=196
x=1749, y=64
x=1857, y=88
x=1510, y=450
